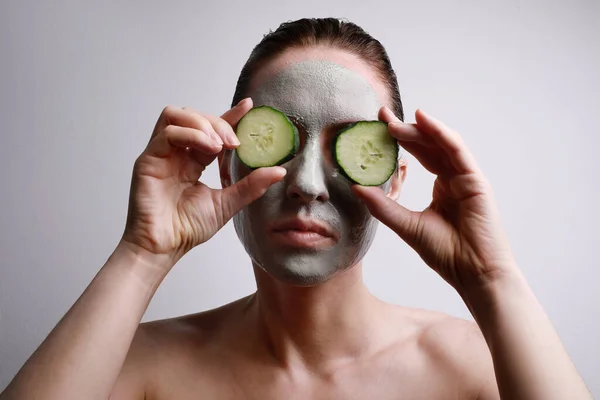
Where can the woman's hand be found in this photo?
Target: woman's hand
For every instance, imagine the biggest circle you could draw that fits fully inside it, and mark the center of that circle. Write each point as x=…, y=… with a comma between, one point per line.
x=170, y=211
x=459, y=234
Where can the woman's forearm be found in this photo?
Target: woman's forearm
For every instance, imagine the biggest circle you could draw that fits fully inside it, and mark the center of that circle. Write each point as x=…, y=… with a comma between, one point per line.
x=530, y=361
x=83, y=355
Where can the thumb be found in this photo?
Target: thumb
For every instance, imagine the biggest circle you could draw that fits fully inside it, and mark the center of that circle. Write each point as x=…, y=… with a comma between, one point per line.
x=398, y=218
x=236, y=113
x=244, y=192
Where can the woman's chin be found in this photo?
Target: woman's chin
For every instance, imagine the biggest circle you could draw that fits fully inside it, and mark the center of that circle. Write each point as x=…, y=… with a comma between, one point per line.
x=303, y=267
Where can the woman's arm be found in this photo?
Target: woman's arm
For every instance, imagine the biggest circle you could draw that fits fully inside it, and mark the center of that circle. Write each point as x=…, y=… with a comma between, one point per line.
x=530, y=361
x=83, y=355
x=460, y=236
x=170, y=212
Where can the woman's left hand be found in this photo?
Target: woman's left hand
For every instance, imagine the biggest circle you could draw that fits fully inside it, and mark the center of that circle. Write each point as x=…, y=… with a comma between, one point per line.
x=459, y=234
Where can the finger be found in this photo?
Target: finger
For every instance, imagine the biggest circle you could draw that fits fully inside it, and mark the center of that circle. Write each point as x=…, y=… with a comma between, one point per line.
x=224, y=130
x=244, y=192
x=192, y=119
x=449, y=140
x=217, y=125
x=404, y=132
x=387, y=115
x=236, y=113
x=178, y=116
x=433, y=159
x=398, y=218
x=415, y=142
x=162, y=122
x=174, y=136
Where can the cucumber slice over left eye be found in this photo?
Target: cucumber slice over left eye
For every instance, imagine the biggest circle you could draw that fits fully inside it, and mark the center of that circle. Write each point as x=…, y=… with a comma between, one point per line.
x=267, y=138
x=366, y=153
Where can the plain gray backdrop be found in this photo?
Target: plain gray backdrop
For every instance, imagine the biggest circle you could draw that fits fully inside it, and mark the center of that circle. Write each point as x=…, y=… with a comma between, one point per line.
x=82, y=84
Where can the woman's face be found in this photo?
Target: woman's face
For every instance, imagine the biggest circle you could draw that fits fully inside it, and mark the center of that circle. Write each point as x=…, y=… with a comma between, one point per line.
x=309, y=226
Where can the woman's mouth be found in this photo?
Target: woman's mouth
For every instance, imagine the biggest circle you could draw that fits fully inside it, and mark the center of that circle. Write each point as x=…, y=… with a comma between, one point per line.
x=304, y=233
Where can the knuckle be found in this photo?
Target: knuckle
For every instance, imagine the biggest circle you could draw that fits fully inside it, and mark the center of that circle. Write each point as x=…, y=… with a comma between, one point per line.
x=202, y=123
x=168, y=110
x=215, y=123
x=142, y=165
x=222, y=125
x=455, y=149
x=169, y=130
x=205, y=122
x=242, y=188
x=189, y=110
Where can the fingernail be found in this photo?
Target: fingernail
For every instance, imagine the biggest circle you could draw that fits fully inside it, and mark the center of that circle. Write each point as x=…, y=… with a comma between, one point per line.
x=235, y=141
x=242, y=102
x=214, y=136
x=282, y=171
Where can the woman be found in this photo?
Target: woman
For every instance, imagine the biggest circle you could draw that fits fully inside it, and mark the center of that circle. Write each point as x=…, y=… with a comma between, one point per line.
x=311, y=330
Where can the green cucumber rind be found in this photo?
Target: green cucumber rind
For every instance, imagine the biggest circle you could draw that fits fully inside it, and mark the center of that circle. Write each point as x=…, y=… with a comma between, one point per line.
x=283, y=160
x=340, y=164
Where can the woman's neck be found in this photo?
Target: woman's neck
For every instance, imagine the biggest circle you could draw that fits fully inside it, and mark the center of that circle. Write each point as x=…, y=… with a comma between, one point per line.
x=319, y=327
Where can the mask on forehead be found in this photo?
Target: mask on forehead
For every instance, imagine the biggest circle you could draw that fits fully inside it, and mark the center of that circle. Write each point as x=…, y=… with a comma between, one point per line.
x=317, y=95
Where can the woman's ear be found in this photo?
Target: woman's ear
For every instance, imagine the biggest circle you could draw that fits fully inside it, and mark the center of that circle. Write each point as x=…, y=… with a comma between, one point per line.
x=224, y=165
x=398, y=180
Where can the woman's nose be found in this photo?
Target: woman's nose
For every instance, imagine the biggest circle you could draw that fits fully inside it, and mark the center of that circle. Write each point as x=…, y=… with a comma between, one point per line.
x=306, y=178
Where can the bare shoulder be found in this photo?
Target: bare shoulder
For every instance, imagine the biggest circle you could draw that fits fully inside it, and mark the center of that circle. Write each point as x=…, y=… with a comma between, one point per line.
x=448, y=335
x=168, y=344
x=198, y=328
x=457, y=345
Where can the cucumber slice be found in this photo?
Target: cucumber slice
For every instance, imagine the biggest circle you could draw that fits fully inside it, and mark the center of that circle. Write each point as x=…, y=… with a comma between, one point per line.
x=366, y=153
x=267, y=138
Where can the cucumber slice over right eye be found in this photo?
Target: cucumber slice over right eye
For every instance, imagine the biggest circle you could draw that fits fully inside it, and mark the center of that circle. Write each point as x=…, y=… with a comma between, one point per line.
x=366, y=153
x=267, y=138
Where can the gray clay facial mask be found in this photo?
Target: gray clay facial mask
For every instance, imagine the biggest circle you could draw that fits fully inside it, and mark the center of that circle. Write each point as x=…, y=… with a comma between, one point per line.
x=317, y=95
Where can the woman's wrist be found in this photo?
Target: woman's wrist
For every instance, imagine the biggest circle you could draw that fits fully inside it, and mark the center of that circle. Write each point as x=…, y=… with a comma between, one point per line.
x=148, y=268
x=505, y=302
x=485, y=298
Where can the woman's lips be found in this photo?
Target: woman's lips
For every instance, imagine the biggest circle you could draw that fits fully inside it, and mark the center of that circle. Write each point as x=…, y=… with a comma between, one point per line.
x=303, y=239
x=303, y=233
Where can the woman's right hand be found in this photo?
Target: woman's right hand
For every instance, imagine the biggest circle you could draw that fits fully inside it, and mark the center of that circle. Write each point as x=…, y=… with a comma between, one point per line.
x=170, y=210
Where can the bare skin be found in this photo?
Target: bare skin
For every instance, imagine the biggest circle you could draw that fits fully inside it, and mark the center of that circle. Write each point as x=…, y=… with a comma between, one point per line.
x=333, y=340
x=243, y=351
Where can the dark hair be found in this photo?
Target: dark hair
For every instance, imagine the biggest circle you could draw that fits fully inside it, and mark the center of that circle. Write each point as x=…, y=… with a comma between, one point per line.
x=336, y=33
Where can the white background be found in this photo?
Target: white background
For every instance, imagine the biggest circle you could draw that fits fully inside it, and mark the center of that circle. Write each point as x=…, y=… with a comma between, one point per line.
x=81, y=86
